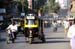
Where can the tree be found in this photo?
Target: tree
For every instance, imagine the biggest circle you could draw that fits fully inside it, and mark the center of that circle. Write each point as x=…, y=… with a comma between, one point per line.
x=51, y=6
x=22, y=5
x=40, y=4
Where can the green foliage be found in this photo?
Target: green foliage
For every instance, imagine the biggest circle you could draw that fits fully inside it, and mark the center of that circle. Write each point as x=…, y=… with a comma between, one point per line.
x=54, y=7
x=23, y=6
x=51, y=6
x=24, y=3
x=41, y=3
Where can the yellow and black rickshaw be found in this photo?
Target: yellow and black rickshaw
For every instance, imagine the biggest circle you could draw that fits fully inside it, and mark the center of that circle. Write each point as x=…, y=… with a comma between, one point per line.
x=33, y=27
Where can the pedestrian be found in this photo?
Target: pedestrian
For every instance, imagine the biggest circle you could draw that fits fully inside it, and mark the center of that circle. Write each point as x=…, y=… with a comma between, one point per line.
x=54, y=23
x=12, y=30
x=71, y=35
x=55, y=15
x=66, y=25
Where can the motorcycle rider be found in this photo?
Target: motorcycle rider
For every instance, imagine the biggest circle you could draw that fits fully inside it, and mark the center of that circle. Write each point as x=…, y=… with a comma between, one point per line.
x=12, y=30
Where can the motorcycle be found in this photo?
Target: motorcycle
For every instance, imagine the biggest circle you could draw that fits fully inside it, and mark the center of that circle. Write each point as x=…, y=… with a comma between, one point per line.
x=10, y=36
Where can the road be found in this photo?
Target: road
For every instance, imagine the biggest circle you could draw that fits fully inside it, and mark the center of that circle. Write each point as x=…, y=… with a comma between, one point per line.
x=54, y=40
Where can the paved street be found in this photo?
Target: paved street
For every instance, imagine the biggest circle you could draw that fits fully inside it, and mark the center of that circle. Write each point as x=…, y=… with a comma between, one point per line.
x=54, y=40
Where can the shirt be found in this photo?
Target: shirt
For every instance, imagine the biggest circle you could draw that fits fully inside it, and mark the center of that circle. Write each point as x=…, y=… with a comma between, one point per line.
x=54, y=24
x=13, y=28
x=66, y=24
x=71, y=31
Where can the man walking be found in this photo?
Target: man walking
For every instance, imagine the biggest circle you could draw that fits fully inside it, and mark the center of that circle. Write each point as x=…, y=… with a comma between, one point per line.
x=71, y=35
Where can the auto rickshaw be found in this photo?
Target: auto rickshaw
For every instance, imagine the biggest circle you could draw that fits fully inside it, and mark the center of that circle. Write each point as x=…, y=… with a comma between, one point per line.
x=33, y=27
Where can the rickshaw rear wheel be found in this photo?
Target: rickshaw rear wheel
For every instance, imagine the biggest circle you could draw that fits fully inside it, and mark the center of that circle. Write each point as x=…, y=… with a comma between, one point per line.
x=43, y=39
